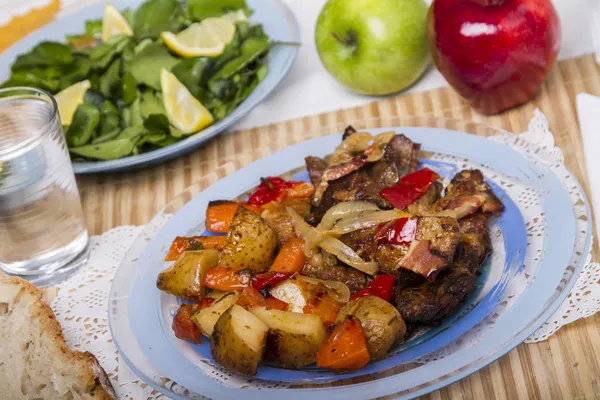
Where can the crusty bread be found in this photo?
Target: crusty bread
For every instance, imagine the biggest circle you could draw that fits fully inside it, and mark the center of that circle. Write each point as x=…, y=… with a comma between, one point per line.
x=35, y=362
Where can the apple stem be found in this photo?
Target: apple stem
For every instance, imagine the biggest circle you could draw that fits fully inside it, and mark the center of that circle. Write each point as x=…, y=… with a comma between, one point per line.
x=340, y=39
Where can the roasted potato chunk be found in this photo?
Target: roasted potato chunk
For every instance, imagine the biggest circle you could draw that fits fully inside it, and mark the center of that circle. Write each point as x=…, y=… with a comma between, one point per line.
x=238, y=340
x=293, y=339
x=380, y=320
x=206, y=318
x=185, y=278
x=251, y=242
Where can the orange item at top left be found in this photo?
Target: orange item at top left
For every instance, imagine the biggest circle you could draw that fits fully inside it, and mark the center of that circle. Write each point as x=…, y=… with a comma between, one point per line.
x=21, y=26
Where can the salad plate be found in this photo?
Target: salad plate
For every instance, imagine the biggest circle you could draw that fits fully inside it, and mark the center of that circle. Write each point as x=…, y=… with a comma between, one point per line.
x=278, y=22
x=539, y=243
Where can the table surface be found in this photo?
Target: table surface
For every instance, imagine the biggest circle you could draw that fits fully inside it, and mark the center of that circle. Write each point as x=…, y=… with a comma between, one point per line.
x=565, y=366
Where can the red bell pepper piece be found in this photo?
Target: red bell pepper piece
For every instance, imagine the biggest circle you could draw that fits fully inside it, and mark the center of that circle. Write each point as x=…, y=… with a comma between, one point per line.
x=267, y=279
x=183, y=327
x=382, y=286
x=409, y=188
x=277, y=189
x=400, y=231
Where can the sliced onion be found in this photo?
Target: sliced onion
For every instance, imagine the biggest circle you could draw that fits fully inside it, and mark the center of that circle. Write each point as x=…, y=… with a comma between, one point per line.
x=365, y=220
x=300, y=225
x=423, y=211
x=343, y=210
x=348, y=256
x=338, y=291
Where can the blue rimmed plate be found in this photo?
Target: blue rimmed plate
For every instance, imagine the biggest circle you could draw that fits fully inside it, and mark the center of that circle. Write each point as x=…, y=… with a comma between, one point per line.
x=278, y=22
x=512, y=299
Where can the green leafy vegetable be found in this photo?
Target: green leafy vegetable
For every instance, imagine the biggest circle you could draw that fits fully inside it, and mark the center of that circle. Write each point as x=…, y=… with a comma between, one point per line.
x=156, y=16
x=110, y=122
x=200, y=9
x=110, y=83
x=129, y=89
x=147, y=64
x=151, y=103
x=103, y=54
x=94, y=98
x=83, y=126
x=76, y=72
x=45, y=54
x=252, y=48
x=43, y=78
x=110, y=150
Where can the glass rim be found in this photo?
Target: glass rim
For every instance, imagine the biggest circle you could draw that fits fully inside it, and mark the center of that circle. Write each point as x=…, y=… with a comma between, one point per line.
x=40, y=131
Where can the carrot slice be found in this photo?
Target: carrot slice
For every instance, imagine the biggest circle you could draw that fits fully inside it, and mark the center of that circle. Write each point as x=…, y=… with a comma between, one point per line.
x=220, y=213
x=183, y=326
x=276, y=304
x=290, y=258
x=324, y=307
x=227, y=279
x=250, y=298
x=345, y=348
x=181, y=244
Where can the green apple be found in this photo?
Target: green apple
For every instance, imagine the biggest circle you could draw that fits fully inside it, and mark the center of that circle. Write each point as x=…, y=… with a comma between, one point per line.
x=374, y=47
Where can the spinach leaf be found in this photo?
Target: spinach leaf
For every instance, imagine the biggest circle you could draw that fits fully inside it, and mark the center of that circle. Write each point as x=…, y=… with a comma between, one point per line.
x=94, y=28
x=103, y=54
x=110, y=83
x=110, y=150
x=151, y=103
x=94, y=98
x=132, y=132
x=156, y=16
x=201, y=9
x=43, y=78
x=194, y=73
x=76, y=72
x=147, y=64
x=157, y=123
x=129, y=89
x=110, y=122
x=252, y=48
x=45, y=54
x=245, y=91
x=169, y=140
x=136, y=118
x=83, y=126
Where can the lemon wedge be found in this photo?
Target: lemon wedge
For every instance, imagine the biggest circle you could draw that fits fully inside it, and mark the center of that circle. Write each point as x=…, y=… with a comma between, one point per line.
x=184, y=111
x=235, y=16
x=114, y=23
x=206, y=38
x=69, y=99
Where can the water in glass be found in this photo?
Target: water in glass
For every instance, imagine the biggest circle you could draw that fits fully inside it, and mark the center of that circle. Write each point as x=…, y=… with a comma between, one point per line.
x=43, y=236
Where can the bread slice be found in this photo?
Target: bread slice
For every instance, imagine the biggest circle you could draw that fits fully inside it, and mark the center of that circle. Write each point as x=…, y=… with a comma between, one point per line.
x=35, y=362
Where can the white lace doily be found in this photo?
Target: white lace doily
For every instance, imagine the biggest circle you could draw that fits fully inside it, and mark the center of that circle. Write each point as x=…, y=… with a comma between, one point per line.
x=82, y=301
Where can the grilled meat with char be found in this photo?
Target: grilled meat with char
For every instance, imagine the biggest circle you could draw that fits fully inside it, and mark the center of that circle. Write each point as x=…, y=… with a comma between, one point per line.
x=428, y=302
x=467, y=193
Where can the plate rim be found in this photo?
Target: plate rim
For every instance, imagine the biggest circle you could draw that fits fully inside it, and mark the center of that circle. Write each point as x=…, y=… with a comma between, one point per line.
x=514, y=341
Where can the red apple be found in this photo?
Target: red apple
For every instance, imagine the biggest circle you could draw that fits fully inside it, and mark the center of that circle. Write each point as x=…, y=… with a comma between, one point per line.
x=494, y=53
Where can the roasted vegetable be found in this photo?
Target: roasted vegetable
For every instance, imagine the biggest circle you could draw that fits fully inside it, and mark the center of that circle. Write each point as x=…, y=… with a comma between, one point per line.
x=276, y=304
x=323, y=307
x=250, y=242
x=299, y=290
x=382, y=286
x=181, y=244
x=185, y=278
x=290, y=258
x=219, y=214
x=183, y=326
x=277, y=189
x=227, y=279
x=345, y=348
x=382, y=323
x=206, y=318
x=251, y=298
x=238, y=340
x=293, y=339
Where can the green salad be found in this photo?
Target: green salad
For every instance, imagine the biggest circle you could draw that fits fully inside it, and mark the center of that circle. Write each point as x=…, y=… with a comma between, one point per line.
x=119, y=83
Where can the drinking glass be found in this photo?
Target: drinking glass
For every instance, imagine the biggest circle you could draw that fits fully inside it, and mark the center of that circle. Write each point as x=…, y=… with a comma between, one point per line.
x=43, y=236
